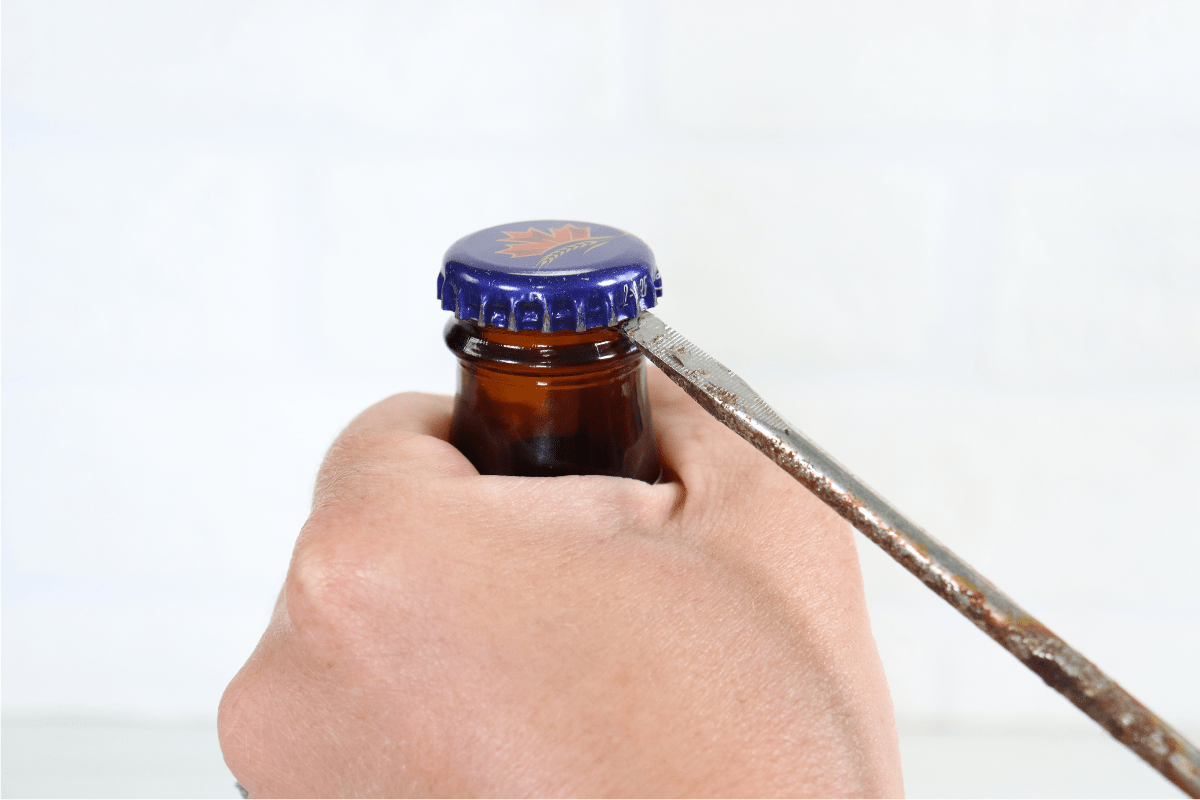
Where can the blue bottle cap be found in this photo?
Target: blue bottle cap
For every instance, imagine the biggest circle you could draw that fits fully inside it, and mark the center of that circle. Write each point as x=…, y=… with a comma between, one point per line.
x=549, y=275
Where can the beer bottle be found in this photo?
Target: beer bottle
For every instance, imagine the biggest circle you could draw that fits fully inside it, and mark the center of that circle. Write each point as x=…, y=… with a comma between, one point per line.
x=546, y=384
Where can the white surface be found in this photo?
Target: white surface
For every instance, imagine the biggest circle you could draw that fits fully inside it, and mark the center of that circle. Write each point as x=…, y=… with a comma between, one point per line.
x=82, y=757
x=975, y=226
x=1047, y=762
x=96, y=757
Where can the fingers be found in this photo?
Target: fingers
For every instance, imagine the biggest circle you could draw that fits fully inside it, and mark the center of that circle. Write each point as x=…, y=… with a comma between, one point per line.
x=403, y=439
x=414, y=412
x=404, y=435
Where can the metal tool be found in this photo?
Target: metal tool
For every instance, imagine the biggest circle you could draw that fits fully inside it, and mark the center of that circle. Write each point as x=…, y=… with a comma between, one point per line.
x=727, y=397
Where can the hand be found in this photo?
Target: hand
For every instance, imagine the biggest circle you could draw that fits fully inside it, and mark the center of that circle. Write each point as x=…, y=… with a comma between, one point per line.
x=443, y=633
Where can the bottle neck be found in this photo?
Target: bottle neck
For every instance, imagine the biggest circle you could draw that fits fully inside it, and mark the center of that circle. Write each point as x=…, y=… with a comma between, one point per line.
x=520, y=351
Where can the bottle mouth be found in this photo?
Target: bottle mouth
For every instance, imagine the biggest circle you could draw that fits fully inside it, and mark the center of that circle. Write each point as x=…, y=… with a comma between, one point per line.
x=537, y=350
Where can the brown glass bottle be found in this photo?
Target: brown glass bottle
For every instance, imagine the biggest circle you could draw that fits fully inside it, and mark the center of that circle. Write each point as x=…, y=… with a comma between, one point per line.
x=551, y=403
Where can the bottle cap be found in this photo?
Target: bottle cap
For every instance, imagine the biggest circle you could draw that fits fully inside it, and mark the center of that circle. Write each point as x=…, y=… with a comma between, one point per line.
x=549, y=275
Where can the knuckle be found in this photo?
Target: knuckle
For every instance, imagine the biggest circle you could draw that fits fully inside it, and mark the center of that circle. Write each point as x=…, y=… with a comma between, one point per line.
x=238, y=720
x=354, y=462
x=323, y=588
x=377, y=464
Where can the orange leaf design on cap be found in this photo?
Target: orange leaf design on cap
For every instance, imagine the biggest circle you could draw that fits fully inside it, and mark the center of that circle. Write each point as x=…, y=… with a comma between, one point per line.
x=550, y=244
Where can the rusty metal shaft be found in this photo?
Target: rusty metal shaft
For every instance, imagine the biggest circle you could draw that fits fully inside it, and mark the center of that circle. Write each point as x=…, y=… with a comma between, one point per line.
x=724, y=395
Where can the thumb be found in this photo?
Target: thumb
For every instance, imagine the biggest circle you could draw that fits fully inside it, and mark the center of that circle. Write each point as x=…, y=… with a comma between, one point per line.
x=704, y=455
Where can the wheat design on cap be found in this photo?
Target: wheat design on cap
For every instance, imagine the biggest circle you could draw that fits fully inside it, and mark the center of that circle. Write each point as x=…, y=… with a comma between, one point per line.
x=551, y=243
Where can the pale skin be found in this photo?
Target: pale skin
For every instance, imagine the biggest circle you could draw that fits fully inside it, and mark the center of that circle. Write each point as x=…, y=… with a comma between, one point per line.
x=445, y=633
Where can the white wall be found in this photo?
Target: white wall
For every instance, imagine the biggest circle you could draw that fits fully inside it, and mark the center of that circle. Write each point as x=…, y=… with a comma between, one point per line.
x=958, y=243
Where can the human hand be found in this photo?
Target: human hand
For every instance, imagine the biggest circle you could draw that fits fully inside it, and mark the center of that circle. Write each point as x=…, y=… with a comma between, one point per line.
x=445, y=633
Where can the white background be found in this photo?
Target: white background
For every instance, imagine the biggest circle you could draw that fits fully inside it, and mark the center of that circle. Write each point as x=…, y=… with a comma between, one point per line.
x=957, y=243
